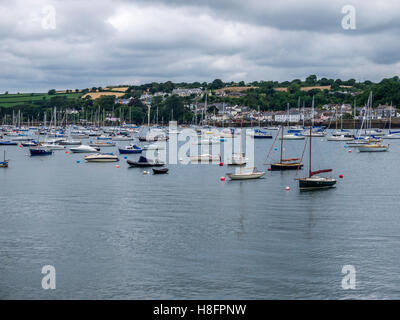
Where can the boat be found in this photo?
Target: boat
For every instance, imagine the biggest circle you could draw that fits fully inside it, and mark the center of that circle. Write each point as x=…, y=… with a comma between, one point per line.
x=4, y=163
x=260, y=134
x=286, y=164
x=340, y=138
x=144, y=162
x=123, y=138
x=101, y=157
x=102, y=144
x=237, y=159
x=392, y=135
x=160, y=171
x=52, y=146
x=374, y=148
x=8, y=143
x=84, y=149
x=205, y=157
x=292, y=136
x=314, y=181
x=40, y=151
x=70, y=142
x=246, y=175
x=130, y=149
x=153, y=146
x=29, y=144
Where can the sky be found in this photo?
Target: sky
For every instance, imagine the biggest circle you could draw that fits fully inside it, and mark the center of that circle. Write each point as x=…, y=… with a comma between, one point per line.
x=46, y=44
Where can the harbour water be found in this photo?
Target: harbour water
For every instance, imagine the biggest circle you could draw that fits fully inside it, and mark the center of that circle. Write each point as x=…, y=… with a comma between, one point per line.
x=115, y=233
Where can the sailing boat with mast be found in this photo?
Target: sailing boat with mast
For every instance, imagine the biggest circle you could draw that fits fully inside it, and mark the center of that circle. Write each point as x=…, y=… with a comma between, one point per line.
x=392, y=134
x=246, y=173
x=314, y=181
x=286, y=164
x=4, y=163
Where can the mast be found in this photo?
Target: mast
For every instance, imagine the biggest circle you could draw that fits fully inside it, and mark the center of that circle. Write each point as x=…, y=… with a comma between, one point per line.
x=310, y=175
x=282, y=141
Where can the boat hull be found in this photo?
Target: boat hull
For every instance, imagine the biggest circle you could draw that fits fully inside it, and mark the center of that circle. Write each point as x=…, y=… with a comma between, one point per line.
x=39, y=152
x=124, y=151
x=245, y=176
x=144, y=164
x=315, y=184
x=286, y=166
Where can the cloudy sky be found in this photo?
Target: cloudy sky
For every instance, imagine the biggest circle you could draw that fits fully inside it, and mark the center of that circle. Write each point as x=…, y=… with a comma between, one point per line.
x=72, y=44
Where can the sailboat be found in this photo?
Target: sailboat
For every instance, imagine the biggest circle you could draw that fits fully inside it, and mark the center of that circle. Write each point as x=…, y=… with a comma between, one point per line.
x=293, y=134
x=314, y=181
x=392, y=134
x=245, y=173
x=4, y=163
x=286, y=164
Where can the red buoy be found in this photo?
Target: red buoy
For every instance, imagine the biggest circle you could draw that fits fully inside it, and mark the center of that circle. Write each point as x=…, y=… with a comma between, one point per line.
x=221, y=164
x=66, y=151
x=341, y=176
x=117, y=166
x=269, y=169
x=349, y=151
x=222, y=178
x=287, y=188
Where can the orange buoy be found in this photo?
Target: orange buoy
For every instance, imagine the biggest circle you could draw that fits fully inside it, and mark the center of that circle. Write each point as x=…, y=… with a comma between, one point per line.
x=222, y=178
x=117, y=166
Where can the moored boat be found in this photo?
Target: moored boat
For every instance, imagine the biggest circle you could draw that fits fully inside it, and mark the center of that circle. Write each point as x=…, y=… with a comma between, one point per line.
x=144, y=162
x=374, y=148
x=101, y=157
x=84, y=149
x=130, y=149
x=40, y=151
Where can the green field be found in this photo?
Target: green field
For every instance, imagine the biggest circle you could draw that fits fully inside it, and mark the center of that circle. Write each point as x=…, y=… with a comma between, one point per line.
x=9, y=100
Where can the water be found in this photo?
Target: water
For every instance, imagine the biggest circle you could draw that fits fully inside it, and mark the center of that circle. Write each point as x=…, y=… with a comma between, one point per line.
x=118, y=234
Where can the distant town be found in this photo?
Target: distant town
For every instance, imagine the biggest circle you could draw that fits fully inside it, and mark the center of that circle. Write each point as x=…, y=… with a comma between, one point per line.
x=217, y=103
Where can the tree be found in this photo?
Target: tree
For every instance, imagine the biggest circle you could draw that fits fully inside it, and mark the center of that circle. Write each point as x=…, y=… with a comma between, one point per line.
x=51, y=92
x=311, y=80
x=216, y=84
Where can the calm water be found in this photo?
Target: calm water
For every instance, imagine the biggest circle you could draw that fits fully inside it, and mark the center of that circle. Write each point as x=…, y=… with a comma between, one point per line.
x=119, y=234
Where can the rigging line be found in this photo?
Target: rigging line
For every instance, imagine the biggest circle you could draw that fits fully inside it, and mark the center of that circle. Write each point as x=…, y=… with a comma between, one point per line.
x=302, y=155
x=273, y=143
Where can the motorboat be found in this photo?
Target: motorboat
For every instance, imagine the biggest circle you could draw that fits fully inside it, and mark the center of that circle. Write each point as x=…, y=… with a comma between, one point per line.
x=374, y=148
x=84, y=149
x=29, y=144
x=144, y=162
x=70, y=143
x=102, y=144
x=260, y=134
x=123, y=138
x=40, y=151
x=130, y=149
x=101, y=157
x=392, y=135
x=52, y=146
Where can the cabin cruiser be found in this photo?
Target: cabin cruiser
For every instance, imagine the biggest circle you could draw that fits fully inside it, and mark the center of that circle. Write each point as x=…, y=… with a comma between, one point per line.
x=130, y=149
x=102, y=144
x=84, y=149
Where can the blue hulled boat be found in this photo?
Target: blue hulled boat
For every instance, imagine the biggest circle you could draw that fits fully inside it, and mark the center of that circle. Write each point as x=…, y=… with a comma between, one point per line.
x=130, y=149
x=40, y=152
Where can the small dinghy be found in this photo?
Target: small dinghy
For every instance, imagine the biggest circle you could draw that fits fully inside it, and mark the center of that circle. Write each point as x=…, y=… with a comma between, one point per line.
x=160, y=171
x=144, y=162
